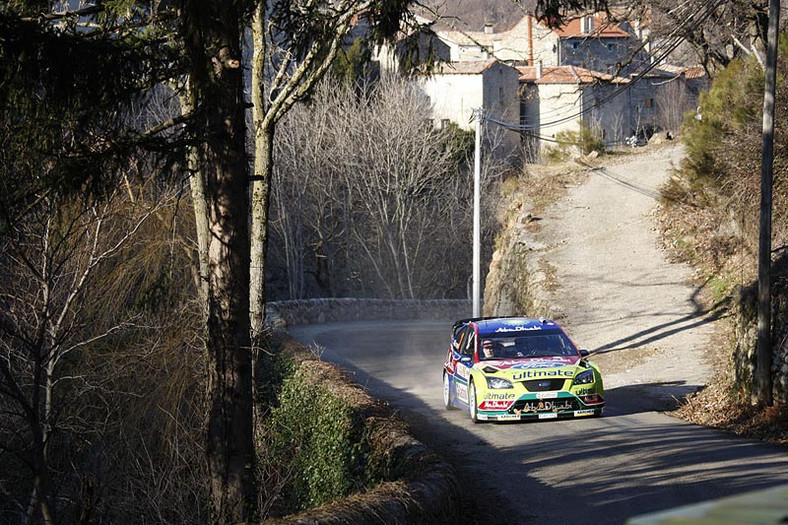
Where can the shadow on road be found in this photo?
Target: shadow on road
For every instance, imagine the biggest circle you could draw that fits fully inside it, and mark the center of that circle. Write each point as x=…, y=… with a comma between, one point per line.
x=631, y=461
x=699, y=317
x=647, y=397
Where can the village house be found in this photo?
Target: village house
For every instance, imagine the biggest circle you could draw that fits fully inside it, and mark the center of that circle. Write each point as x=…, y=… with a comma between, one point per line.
x=590, y=71
x=456, y=89
x=559, y=98
x=563, y=98
x=588, y=41
x=524, y=43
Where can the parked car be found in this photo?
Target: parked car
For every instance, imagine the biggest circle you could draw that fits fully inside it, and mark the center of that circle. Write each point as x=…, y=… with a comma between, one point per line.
x=519, y=368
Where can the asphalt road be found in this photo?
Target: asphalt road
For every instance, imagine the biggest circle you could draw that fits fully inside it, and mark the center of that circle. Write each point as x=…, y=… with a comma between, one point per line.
x=632, y=461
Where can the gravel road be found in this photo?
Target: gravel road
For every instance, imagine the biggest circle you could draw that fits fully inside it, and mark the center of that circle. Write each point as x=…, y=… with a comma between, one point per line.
x=617, y=294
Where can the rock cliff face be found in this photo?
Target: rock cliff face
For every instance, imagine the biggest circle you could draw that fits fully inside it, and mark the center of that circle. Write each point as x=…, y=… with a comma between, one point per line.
x=515, y=282
x=519, y=279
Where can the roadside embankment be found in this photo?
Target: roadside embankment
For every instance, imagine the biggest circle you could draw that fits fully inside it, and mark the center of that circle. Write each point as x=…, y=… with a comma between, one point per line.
x=414, y=485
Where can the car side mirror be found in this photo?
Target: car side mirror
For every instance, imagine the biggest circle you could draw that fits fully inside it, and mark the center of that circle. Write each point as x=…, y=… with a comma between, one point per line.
x=584, y=353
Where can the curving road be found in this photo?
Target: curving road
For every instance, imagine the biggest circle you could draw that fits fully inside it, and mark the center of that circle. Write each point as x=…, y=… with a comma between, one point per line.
x=631, y=461
x=621, y=299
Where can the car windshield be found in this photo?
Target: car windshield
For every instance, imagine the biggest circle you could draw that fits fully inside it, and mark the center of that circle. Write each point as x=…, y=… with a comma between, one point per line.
x=538, y=343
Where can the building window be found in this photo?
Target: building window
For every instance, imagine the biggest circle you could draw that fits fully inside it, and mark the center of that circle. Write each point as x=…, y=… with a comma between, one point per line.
x=611, y=46
x=649, y=102
x=500, y=95
x=575, y=45
x=444, y=123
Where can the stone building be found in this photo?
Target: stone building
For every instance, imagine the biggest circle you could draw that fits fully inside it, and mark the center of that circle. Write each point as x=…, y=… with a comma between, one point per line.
x=456, y=89
x=559, y=98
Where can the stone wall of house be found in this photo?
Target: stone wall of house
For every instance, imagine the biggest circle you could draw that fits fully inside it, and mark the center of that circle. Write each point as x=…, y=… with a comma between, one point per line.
x=609, y=112
x=501, y=102
x=560, y=107
x=454, y=96
x=316, y=311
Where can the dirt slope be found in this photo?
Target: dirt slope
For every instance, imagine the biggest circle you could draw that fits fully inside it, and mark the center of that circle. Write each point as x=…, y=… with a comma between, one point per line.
x=604, y=277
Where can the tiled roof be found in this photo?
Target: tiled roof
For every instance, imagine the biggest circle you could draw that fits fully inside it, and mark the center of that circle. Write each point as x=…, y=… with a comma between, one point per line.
x=565, y=75
x=688, y=72
x=601, y=29
x=466, y=67
x=694, y=72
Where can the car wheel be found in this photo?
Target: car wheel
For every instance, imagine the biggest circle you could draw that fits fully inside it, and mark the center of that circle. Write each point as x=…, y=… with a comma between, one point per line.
x=447, y=397
x=472, y=402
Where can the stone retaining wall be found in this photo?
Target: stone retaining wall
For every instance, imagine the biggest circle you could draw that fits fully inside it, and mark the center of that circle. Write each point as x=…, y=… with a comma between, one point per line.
x=318, y=311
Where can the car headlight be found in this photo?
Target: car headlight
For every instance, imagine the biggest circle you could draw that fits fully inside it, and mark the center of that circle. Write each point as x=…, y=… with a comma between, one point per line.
x=583, y=378
x=498, y=382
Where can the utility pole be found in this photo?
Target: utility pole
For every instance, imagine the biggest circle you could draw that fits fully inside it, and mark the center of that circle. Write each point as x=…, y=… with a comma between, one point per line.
x=477, y=228
x=763, y=368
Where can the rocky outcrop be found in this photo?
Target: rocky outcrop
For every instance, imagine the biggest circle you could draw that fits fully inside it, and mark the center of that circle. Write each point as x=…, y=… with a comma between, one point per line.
x=516, y=280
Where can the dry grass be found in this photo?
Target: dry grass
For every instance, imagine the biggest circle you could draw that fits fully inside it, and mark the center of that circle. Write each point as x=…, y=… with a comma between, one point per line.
x=717, y=406
x=544, y=185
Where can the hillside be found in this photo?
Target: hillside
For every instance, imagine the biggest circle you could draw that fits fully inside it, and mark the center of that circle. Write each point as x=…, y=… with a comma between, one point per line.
x=472, y=15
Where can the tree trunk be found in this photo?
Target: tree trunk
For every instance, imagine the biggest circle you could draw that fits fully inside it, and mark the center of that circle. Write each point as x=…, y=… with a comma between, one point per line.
x=213, y=37
x=197, y=186
x=264, y=143
x=261, y=185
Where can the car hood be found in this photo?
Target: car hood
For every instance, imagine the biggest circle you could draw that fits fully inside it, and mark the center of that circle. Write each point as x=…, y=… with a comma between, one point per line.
x=534, y=367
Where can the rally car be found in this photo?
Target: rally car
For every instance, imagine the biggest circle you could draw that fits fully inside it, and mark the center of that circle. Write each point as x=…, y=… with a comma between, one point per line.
x=518, y=368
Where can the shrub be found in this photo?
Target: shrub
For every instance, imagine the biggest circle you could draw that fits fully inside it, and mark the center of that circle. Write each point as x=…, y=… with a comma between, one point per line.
x=316, y=450
x=585, y=140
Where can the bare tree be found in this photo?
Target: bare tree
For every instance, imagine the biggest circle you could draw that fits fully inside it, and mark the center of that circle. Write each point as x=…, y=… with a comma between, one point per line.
x=385, y=197
x=294, y=45
x=49, y=266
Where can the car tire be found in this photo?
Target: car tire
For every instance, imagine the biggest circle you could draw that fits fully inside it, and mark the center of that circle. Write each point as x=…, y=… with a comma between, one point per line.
x=472, y=408
x=448, y=399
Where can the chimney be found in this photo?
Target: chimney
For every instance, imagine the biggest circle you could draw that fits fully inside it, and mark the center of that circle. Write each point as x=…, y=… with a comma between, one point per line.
x=488, y=28
x=587, y=24
x=530, y=41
